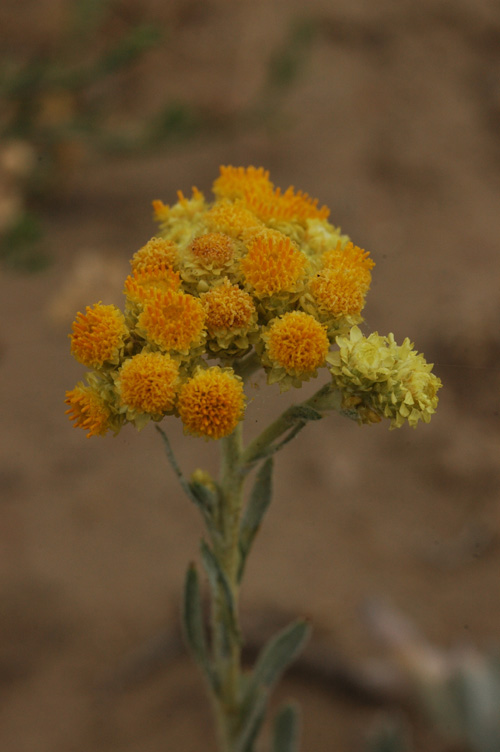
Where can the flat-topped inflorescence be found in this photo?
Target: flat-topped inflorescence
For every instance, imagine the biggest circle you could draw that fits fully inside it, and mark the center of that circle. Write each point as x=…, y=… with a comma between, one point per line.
x=258, y=276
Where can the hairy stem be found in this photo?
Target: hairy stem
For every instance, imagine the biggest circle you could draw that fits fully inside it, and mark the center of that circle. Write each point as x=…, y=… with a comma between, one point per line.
x=322, y=400
x=228, y=656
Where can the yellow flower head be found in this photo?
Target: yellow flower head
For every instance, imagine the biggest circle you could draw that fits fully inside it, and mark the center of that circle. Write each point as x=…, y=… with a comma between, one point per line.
x=182, y=221
x=213, y=250
x=338, y=292
x=184, y=206
x=148, y=382
x=228, y=308
x=156, y=254
x=231, y=319
x=172, y=320
x=350, y=258
x=348, y=255
x=377, y=376
x=236, y=182
x=89, y=410
x=252, y=186
x=297, y=342
x=211, y=403
x=289, y=206
x=273, y=264
x=98, y=336
x=231, y=219
x=139, y=285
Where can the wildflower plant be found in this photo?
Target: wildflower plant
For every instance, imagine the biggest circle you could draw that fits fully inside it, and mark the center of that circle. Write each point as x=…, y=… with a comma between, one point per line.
x=256, y=279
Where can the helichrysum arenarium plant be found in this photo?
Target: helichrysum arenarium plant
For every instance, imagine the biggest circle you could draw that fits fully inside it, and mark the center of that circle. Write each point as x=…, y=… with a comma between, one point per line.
x=256, y=279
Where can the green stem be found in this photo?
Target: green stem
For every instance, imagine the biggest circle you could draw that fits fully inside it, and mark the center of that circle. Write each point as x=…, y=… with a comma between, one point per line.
x=228, y=657
x=322, y=400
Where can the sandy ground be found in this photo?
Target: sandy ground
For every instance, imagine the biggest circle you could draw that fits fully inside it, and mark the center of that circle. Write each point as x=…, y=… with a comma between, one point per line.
x=393, y=123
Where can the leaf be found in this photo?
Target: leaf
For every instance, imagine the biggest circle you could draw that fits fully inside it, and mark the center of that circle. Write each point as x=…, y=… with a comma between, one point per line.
x=277, y=655
x=194, y=629
x=205, y=497
x=286, y=730
x=187, y=487
x=220, y=584
x=253, y=720
x=304, y=412
x=260, y=498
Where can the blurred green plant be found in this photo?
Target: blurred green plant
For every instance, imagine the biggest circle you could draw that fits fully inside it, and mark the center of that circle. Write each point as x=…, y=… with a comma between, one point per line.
x=54, y=103
x=52, y=112
x=456, y=692
x=22, y=246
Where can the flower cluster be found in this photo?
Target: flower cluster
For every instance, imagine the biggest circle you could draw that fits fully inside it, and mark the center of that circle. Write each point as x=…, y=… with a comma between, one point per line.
x=259, y=276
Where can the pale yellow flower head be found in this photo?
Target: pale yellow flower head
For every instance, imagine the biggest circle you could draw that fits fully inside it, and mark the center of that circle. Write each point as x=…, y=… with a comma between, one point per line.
x=378, y=377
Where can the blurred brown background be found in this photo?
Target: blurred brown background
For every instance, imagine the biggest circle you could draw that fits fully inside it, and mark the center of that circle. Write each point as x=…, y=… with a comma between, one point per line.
x=389, y=113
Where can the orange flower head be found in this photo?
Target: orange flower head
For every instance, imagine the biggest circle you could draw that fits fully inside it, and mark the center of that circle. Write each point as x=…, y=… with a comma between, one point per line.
x=297, y=342
x=339, y=291
x=231, y=219
x=172, y=320
x=163, y=212
x=235, y=182
x=212, y=403
x=139, y=285
x=273, y=264
x=228, y=307
x=98, y=335
x=156, y=254
x=88, y=410
x=148, y=383
x=214, y=249
x=289, y=206
x=351, y=258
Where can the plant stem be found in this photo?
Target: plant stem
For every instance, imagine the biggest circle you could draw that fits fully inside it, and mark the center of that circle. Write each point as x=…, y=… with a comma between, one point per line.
x=322, y=400
x=228, y=656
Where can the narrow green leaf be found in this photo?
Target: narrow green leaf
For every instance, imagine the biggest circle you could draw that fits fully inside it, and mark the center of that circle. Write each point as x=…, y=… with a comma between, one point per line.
x=194, y=629
x=286, y=729
x=255, y=510
x=220, y=584
x=194, y=495
x=304, y=412
x=252, y=721
x=280, y=652
x=206, y=498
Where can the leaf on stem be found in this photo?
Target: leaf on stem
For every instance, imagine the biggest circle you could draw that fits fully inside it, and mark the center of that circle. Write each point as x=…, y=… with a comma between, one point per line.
x=252, y=722
x=279, y=652
x=194, y=629
x=286, y=729
x=275, y=657
x=221, y=587
x=260, y=498
x=304, y=412
x=201, y=500
x=206, y=498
